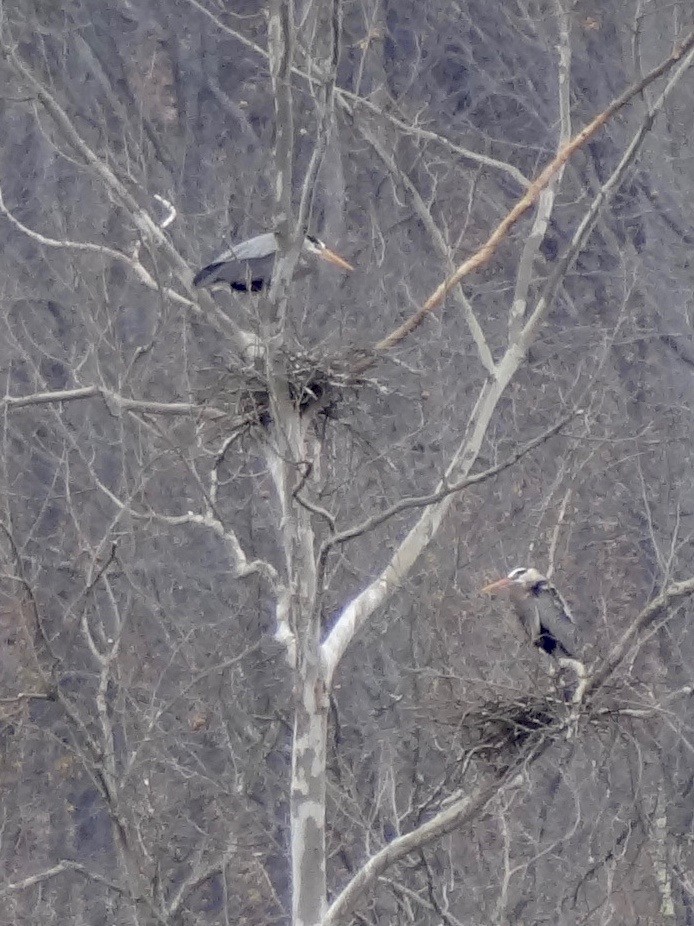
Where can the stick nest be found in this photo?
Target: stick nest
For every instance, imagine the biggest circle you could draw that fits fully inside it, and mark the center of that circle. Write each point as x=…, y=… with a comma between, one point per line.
x=499, y=730
x=315, y=382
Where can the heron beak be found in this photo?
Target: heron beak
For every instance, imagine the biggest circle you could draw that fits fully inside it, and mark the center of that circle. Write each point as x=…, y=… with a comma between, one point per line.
x=333, y=258
x=497, y=586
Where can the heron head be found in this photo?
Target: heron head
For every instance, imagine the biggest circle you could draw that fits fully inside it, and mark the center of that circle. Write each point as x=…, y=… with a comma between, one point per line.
x=524, y=578
x=313, y=245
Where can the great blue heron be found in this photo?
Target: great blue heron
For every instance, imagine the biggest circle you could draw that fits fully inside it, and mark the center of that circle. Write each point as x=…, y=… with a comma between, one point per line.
x=545, y=617
x=247, y=266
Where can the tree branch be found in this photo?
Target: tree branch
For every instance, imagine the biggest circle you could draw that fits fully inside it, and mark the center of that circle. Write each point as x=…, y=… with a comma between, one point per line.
x=382, y=587
x=142, y=274
x=28, y=696
x=244, y=566
x=399, y=176
x=197, y=876
x=48, y=873
x=110, y=397
x=467, y=809
x=482, y=257
x=451, y=818
x=545, y=204
x=678, y=591
x=327, y=68
x=348, y=101
x=144, y=223
x=379, y=590
x=587, y=224
x=422, y=501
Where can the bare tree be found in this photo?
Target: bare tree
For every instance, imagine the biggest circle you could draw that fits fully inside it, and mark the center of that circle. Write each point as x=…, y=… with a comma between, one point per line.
x=247, y=672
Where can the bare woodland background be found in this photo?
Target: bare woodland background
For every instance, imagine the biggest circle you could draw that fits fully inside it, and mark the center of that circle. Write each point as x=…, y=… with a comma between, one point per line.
x=191, y=709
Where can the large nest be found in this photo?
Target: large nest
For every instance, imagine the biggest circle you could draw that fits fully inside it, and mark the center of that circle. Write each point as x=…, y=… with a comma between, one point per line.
x=500, y=730
x=314, y=381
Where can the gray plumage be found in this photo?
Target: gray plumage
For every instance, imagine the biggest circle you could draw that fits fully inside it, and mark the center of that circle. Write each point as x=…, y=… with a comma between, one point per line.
x=543, y=613
x=547, y=621
x=248, y=266
x=245, y=266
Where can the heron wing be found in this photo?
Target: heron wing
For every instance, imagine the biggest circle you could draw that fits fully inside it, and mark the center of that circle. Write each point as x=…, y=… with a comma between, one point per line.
x=546, y=619
x=247, y=265
x=259, y=246
x=239, y=274
x=208, y=275
x=557, y=628
x=527, y=611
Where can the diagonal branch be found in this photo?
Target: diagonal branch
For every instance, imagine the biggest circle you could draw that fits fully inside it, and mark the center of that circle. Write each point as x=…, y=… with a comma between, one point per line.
x=392, y=576
x=243, y=566
x=141, y=272
x=422, y=501
x=451, y=818
x=425, y=216
x=143, y=222
x=678, y=591
x=363, y=605
x=48, y=873
x=587, y=224
x=198, y=876
x=484, y=255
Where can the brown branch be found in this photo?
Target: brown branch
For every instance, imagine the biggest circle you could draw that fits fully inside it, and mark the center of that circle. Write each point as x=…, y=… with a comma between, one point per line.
x=589, y=220
x=425, y=215
x=374, y=595
x=379, y=590
x=484, y=255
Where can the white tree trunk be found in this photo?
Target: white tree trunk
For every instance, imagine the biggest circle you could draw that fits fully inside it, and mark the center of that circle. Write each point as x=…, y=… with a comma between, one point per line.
x=295, y=456
x=308, y=798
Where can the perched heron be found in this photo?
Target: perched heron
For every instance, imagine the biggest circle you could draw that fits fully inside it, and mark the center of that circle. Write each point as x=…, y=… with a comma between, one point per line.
x=545, y=617
x=247, y=266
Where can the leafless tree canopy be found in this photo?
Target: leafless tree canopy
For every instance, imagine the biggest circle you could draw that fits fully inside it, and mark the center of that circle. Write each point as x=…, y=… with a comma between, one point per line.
x=246, y=672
